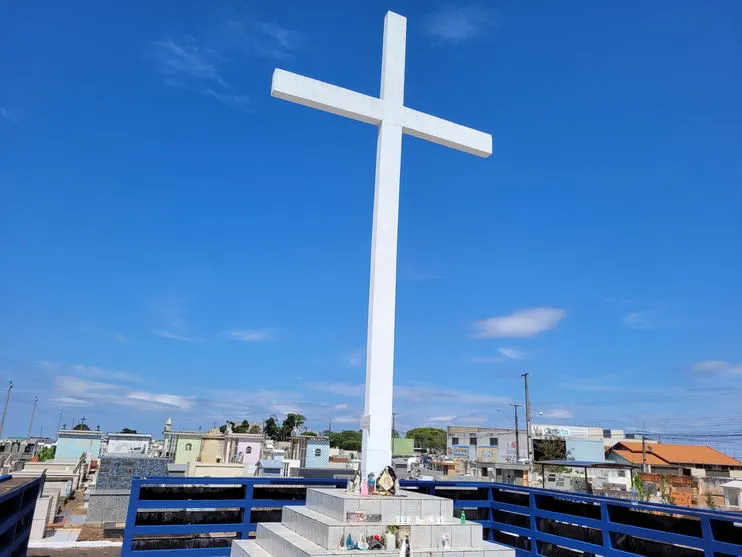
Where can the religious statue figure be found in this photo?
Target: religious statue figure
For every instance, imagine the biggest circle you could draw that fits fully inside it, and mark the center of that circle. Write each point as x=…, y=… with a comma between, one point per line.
x=354, y=487
x=385, y=483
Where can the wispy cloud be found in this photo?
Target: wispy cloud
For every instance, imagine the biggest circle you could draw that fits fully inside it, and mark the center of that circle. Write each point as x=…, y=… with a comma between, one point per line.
x=356, y=358
x=162, y=399
x=558, y=414
x=512, y=353
x=640, y=320
x=456, y=23
x=522, y=323
x=175, y=336
x=118, y=337
x=718, y=367
x=250, y=335
x=8, y=115
x=186, y=64
x=265, y=39
x=70, y=401
x=88, y=371
x=441, y=419
x=415, y=393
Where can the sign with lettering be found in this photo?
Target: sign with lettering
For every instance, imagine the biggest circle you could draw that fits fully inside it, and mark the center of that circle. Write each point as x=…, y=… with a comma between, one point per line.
x=559, y=431
x=362, y=517
x=461, y=450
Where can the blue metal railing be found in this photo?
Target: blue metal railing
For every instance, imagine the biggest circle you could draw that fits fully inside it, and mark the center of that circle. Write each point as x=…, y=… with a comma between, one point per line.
x=16, y=514
x=186, y=516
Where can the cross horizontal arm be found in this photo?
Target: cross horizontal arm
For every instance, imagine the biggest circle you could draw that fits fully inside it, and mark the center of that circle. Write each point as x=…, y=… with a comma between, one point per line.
x=443, y=132
x=324, y=96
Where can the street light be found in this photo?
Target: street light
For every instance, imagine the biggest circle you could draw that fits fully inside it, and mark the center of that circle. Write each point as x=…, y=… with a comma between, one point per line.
x=506, y=416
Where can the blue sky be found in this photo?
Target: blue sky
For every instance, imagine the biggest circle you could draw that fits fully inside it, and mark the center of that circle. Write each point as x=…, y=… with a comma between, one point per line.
x=175, y=242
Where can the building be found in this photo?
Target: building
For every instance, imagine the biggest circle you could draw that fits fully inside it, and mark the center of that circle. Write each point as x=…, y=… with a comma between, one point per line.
x=480, y=444
x=733, y=495
x=586, y=443
x=686, y=460
x=212, y=447
x=71, y=443
x=181, y=447
x=310, y=451
x=15, y=452
x=403, y=447
x=269, y=468
x=243, y=448
x=127, y=444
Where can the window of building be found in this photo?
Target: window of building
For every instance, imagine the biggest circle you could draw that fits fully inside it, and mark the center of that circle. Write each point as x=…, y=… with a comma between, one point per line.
x=454, y=440
x=188, y=447
x=248, y=450
x=473, y=441
x=317, y=452
x=606, y=434
x=493, y=441
x=2, y=448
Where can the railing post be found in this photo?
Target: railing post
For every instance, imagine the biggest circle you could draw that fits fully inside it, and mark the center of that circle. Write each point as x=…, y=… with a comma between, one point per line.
x=247, y=509
x=534, y=523
x=605, y=529
x=131, y=517
x=708, y=536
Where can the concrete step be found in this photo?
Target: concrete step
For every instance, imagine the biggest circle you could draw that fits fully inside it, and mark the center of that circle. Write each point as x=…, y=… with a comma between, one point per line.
x=247, y=548
x=279, y=541
x=329, y=533
x=335, y=503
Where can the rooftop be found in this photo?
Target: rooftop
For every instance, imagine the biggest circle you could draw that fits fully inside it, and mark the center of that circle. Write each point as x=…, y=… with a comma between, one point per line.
x=669, y=454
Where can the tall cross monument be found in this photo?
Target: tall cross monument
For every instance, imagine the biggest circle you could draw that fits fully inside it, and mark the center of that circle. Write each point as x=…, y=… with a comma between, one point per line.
x=393, y=119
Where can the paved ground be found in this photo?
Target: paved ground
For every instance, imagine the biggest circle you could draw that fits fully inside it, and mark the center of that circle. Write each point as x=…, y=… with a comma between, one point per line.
x=76, y=552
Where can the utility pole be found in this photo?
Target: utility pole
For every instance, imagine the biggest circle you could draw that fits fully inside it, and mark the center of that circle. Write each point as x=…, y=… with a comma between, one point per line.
x=59, y=421
x=329, y=427
x=644, y=454
x=33, y=411
x=394, y=420
x=517, y=434
x=5, y=408
x=529, y=441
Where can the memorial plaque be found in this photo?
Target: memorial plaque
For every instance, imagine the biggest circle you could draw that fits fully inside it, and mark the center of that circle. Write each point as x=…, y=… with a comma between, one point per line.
x=362, y=517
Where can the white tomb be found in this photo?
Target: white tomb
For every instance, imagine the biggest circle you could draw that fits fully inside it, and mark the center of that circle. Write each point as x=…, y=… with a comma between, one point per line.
x=321, y=527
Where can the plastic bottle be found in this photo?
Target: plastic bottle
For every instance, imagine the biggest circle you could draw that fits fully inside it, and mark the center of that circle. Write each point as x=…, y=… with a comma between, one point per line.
x=463, y=517
x=634, y=497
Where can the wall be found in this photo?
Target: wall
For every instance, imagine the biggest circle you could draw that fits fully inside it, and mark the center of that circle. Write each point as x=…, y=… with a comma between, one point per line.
x=130, y=445
x=591, y=450
x=314, y=460
x=253, y=456
x=213, y=470
x=182, y=456
x=503, y=450
x=73, y=447
x=212, y=449
x=403, y=447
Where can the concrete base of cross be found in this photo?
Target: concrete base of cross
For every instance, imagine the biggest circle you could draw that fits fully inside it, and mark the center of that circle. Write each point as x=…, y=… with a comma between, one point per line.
x=321, y=528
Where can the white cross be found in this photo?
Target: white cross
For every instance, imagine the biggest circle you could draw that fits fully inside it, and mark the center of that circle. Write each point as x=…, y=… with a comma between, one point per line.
x=393, y=118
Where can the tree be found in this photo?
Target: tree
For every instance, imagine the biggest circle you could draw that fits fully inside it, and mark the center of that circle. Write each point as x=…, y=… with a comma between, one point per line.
x=254, y=428
x=395, y=434
x=46, y=453
x=308, y=434
x=430, y=438
x=271, y=428
x=291, y=423
x=347, y=440
x=710, y=503
x=242, y=427
x=81, y=427
x=551, y=448
x=128, y=430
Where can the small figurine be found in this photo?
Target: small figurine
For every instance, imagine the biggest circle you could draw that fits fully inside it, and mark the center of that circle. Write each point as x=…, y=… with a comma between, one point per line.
x=404, y=547
x=349, y=543
x=445, y=541
x=397, y=489
x=362, y=544
x=371, y=483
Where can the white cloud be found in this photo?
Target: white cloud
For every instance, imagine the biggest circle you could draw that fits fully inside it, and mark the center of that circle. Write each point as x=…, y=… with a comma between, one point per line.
x=356, y=358
x=718, y=367
x=558, y=414
x=264, y=39
x=76, y=386
x=8, y=115
x=522, y=323
x=188, y=65
x=176, y=336
x=250, y=335
x=70, y=401
x=176, y=401
x=441, y=419
x=118, y=337
x=101, y=373
x=512, y=353
x=347, y=420
x=641, y=320
x=457, y=23
x=340, y=407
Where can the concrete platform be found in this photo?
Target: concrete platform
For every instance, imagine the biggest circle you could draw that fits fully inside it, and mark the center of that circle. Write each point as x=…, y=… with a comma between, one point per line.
x=320, y=528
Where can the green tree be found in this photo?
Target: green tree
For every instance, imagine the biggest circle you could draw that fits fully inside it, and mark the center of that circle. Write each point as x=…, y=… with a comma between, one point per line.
x=710, y=503
x=81, y=427
x=348, y=440
x=308, y=434
x=271, y=429
x=291, y=423
x=255, y=429
x=429, y=438
x=395, y=434
x=642, y=492
x=242, y=427
x=46, y=453
x=128, y=430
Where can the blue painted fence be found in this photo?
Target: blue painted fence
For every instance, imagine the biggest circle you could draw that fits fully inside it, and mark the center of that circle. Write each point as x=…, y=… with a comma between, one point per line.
x=17, y=504
x=201, y=516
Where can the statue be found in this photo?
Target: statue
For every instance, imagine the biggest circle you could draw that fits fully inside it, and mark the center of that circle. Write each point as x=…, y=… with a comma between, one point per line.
x=386, y=482
x=371, y=483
